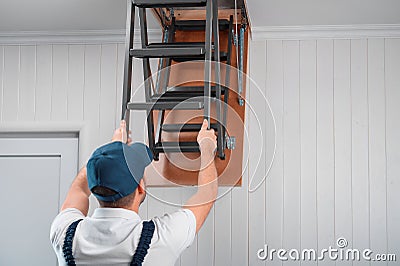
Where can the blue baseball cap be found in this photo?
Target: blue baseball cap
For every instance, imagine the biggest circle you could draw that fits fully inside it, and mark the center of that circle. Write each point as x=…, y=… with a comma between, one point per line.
x=119, y=167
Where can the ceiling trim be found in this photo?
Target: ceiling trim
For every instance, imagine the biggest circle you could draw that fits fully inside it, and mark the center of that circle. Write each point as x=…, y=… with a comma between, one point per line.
x=257, y=33
x=326, y=32
x=72, y=37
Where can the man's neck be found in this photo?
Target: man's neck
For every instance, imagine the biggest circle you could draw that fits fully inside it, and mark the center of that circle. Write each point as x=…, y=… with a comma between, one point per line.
x=133, y=208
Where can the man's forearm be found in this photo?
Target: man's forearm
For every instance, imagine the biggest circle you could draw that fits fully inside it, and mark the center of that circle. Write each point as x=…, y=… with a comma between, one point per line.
x=202, y=202
x=81, y=182
x=207, y=181
x=78, y=194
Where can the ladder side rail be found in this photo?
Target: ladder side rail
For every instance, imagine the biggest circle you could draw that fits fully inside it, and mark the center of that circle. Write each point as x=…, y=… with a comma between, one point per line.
x=160, y=122
x=164, y=80
x=171, y=39
x=127, y=85
x=161, y=63
x=160, y=87
x=207, y=62
x=217, y=69
x=147, y=81
x=227, y=77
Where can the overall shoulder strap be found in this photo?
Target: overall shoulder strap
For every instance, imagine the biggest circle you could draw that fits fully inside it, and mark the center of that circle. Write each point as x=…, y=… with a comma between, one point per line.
x=144, y=243
x=67, y=247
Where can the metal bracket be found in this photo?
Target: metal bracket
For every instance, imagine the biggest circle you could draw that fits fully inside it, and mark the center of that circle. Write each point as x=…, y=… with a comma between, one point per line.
x=244, y=15
x=241, y=55
x=241, y=59
x=234, y=38
x=230, y=142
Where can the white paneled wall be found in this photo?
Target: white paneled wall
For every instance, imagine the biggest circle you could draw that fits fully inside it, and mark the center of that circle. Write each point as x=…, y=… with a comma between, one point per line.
x=62, y=83
x=336, y=108
x=337, y=161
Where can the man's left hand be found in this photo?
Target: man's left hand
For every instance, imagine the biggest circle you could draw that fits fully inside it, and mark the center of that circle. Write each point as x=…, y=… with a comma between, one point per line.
x=120, y=134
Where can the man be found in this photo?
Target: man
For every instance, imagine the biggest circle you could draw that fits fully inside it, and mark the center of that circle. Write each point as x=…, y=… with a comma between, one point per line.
x=115, y=234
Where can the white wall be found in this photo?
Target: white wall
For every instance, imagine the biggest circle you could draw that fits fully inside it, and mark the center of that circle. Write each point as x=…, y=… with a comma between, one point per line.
x=337, y=163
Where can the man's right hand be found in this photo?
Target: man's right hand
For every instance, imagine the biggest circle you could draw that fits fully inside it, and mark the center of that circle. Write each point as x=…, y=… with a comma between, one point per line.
x=207, y=140
x=201, y=202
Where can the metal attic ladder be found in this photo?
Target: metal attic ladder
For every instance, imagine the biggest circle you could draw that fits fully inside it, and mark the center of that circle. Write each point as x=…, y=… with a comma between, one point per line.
x=161, y=97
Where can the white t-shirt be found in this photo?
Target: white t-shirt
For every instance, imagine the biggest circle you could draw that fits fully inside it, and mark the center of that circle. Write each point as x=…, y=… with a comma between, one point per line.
x=110, y=236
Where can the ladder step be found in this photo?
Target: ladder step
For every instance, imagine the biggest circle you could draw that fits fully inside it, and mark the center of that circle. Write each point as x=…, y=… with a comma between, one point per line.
x=177, y=44
x=179, y=51
x=185, y=127
x=223, y=56
x=163, y=105
x=177, y=147
x=178, y=98
x=193, y=90
x=175, y=52
x=184, y=93
x=169, y=3
x=199, y=24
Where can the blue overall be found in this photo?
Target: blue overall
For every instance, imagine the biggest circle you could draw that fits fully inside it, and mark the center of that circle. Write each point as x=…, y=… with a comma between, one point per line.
x=138, y=257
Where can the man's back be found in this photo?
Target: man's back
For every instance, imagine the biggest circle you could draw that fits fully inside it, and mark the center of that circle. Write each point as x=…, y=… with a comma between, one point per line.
x=115, y=175
x=110, y=236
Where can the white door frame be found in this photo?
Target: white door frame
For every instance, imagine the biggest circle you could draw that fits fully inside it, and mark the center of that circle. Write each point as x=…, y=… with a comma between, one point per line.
x=81, y=128
x=84, y=144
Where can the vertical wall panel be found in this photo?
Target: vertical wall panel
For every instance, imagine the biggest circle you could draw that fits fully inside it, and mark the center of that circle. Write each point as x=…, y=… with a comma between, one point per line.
x=239, y=203
x=239, y=237
x=275, y=180
x=342, y=139
x=325, y=147
x=308, y=149
x=108, y=83
x=138, y=117
x=377, y=154
x=392, y=68
x=223, y=218
x=205, y=241
x=291, y=148
x=44, y=82
x=60, y=83
x=27, y=83
x=91, y=103
x=120, y=78
x=11, y=83
x=359, y=154
x=1, y=81
x=257, y=162
x=76, y=82
x=189, y=256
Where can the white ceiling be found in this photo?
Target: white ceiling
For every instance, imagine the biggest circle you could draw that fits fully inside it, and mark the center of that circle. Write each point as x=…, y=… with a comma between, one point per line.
x=323, y=12
x=61, y=15
x=73, y=15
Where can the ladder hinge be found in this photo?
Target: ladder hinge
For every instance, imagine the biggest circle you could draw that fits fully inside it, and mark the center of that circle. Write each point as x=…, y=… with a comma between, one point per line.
x=230, y=142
